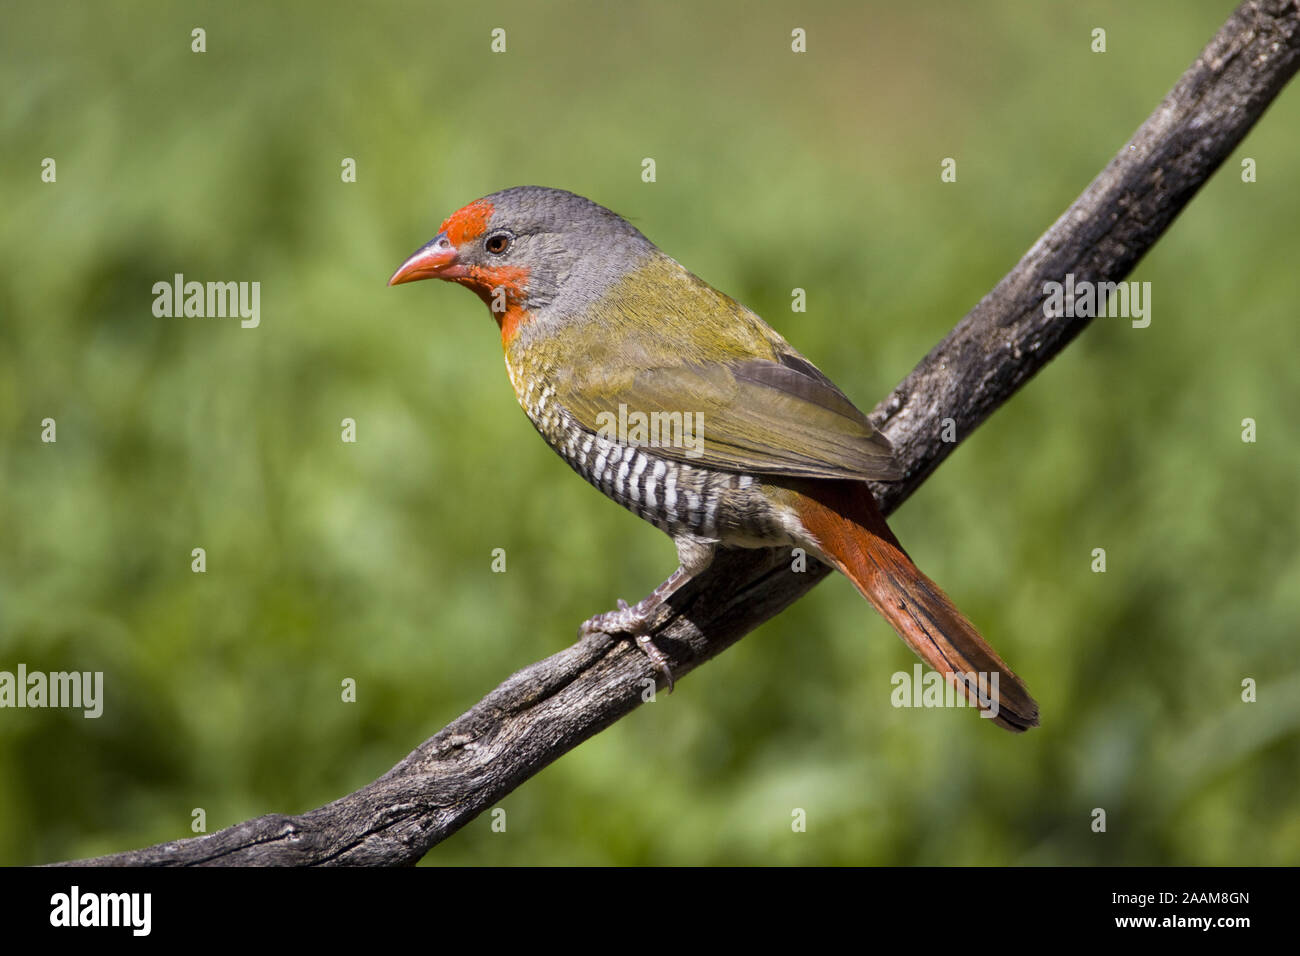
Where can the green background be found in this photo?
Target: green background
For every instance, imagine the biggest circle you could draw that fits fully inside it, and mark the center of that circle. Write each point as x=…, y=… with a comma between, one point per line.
x=372, y=561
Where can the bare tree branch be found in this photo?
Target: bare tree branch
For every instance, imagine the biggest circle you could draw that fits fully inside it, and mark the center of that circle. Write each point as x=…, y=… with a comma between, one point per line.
x=549, y=708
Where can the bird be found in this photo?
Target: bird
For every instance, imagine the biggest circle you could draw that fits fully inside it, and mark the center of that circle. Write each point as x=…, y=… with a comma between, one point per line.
x=613, y=348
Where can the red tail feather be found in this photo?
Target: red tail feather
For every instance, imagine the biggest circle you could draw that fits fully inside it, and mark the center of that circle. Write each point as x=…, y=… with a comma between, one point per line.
x=844, y=519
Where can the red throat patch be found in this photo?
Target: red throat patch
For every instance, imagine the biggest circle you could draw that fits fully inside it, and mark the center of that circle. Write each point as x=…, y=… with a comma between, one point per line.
x=502, y=289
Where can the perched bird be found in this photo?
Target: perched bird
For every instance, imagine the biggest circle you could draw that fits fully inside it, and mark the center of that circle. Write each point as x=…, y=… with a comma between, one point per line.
x=606, y=337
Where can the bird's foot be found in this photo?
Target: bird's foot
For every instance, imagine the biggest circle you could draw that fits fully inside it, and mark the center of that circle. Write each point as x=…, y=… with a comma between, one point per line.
x=635, y=622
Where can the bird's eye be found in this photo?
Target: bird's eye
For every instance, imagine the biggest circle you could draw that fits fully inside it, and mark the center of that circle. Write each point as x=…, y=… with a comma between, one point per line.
x=497, y=243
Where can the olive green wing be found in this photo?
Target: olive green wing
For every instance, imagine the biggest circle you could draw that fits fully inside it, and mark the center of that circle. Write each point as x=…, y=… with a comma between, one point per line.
x=760, y=416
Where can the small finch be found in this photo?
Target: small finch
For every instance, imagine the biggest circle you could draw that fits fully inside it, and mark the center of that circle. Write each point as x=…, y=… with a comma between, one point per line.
x=606, y=337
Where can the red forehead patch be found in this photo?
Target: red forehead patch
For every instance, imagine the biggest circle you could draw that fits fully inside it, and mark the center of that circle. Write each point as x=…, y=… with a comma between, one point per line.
x=469, y=223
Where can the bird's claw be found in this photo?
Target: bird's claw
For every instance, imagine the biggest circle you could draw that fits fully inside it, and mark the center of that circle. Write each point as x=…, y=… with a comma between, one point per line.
x=630, y=621
x=647, y=645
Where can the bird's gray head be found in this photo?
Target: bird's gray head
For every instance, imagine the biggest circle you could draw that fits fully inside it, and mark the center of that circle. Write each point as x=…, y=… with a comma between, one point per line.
x=530, y=248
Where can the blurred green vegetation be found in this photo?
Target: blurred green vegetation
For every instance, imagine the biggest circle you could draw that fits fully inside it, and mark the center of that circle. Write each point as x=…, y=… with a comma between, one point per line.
x=371, y=561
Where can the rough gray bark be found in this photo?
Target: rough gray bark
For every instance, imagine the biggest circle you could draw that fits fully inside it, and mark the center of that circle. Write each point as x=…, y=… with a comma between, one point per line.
x=552, y=706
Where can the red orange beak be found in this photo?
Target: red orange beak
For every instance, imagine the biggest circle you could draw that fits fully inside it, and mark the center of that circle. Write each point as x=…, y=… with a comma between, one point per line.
x=436, y=259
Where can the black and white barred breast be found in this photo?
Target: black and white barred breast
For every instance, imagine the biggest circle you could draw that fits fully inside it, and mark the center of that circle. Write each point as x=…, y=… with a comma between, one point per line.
x=675, y=496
